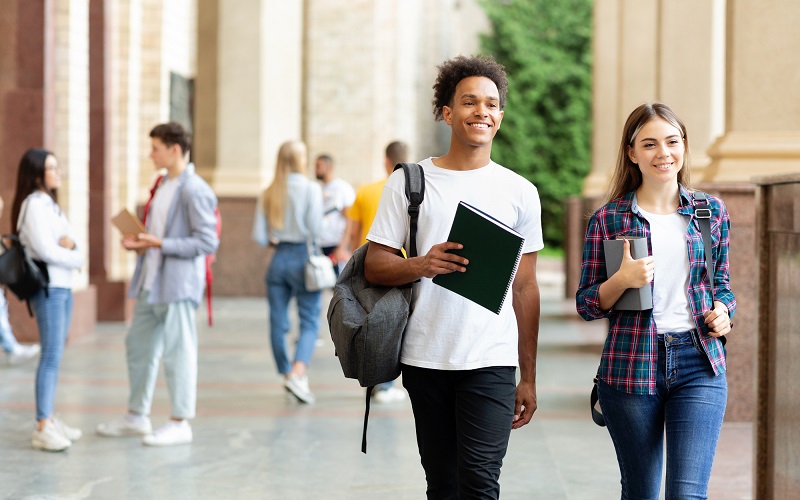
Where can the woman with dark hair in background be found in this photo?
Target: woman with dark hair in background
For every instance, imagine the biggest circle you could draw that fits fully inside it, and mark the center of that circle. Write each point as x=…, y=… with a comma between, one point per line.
x=45, y=232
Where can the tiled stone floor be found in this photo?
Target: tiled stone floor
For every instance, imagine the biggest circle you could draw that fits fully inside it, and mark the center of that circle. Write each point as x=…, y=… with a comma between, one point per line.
x=252, y=442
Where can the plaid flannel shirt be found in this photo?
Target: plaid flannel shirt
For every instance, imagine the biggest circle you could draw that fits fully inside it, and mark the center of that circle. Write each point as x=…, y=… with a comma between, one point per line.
x=630, y=354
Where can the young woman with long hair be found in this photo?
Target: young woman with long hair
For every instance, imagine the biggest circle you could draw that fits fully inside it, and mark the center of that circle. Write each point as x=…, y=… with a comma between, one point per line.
x=44, y=230
x=288, y=217
x=662, y=371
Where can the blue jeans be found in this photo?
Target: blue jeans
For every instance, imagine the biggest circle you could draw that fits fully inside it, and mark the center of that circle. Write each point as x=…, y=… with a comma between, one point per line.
x=463, y=422
x=286, y=279
x=53, y=315
x=689, y=402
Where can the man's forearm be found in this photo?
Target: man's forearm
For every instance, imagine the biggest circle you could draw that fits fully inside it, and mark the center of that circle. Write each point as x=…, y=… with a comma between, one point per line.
x=527, y=309
x=382, y=266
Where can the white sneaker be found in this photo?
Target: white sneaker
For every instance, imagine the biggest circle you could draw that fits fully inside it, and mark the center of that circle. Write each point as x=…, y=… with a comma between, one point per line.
x=68, y=432
x=390, y=395
x=126, y=425
x=49, y=438
x=23, y=353
x=170, y=434
x=298, y=386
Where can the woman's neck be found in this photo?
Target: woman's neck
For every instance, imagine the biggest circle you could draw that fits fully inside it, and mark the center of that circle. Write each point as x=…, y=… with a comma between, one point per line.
x=662, y=200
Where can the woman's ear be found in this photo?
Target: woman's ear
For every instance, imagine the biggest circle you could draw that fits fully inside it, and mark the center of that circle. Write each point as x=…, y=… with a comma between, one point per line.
x=631, y=156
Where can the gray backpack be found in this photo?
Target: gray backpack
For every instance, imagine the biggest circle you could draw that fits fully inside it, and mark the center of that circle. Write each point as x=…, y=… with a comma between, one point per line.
x=367, y=321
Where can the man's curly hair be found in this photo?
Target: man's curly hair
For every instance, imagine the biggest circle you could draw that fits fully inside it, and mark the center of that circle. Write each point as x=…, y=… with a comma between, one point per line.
x=456, y=69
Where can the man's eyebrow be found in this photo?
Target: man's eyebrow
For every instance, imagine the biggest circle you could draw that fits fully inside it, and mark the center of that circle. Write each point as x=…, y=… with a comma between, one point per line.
x=473, y=96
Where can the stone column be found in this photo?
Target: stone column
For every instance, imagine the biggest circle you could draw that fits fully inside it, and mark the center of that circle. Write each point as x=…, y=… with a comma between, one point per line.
x=26, y=110
x=762, y=126
x=251, y=81
x=653, y=50
x=248, y=102
x=70, y=66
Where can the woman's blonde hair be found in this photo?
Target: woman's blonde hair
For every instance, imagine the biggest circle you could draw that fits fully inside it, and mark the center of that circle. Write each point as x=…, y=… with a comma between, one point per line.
x=291, y=159
x=627, y=177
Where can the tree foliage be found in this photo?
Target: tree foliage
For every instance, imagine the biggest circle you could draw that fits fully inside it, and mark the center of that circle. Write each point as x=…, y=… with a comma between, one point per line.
x=545, y=46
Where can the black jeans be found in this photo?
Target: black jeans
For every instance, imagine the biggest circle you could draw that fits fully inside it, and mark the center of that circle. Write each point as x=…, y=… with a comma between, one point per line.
x=463, y=422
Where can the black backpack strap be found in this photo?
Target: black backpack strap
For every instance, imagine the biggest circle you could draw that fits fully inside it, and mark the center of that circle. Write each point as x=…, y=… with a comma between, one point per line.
x=370, y=390
x=415, y=192
x=703, y=215
x=597, y=411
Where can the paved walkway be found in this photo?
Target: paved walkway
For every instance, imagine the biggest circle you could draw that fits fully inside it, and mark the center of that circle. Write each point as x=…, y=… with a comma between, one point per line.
x=252, y=442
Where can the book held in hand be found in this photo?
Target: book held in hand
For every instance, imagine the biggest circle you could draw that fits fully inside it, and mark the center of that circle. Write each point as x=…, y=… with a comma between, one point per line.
x=632, y=299
x=493, y=250
x=128, y=224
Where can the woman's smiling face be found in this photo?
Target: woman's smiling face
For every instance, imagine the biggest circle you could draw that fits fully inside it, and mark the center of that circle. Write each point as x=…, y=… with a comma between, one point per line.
x=658, y=150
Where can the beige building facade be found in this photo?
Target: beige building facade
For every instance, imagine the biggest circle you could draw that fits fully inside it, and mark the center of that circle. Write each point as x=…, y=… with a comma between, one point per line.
x=345, y=76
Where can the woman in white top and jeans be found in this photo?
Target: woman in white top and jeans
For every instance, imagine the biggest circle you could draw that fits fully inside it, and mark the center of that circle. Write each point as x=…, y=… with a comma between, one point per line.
x=289, y=216
x=45, y=232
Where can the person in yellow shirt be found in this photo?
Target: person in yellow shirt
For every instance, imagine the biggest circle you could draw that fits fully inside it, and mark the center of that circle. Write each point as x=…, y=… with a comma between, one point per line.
x=359, y=219
x=363, y=210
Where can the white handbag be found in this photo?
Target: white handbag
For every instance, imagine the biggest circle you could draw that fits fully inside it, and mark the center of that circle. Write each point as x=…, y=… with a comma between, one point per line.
x=319, y=272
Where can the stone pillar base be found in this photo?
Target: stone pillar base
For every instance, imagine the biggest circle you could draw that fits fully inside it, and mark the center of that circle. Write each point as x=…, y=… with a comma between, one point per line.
x=737, y=156
x=241, y=264
x=113, y=303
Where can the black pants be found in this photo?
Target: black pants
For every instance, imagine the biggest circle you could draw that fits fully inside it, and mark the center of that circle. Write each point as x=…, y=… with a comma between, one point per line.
x=463, y=422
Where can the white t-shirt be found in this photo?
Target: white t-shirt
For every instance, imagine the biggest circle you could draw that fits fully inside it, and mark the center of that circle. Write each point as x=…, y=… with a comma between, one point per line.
x=157, y=225
x=336, y=196
x=671, y=309
x=447, y=331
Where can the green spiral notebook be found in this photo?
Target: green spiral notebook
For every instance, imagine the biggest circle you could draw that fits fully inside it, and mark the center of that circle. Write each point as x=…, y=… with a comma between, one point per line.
x=493, y=250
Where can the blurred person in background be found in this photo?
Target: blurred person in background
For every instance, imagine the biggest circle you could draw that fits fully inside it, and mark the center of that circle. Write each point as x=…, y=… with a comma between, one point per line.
x=288, y=218
x=168, y=286
x=337, y=197
x=44, y=231
x=16, y=353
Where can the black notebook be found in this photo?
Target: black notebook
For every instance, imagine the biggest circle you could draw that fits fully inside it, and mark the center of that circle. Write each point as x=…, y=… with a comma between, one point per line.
x=493, y=250
x=632, y=299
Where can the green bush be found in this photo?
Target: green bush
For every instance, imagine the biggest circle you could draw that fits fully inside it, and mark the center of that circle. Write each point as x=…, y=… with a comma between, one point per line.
x=545, y=46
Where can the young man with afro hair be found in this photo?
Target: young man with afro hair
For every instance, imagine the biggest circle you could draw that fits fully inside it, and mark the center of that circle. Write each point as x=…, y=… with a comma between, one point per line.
x=459, y=359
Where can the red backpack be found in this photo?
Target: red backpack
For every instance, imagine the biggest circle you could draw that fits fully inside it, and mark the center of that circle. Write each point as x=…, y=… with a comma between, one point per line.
x=210, y=259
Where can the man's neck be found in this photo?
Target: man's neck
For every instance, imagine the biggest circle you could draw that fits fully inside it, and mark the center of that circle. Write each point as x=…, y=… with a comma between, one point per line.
x=465, y=157
x=176, y=169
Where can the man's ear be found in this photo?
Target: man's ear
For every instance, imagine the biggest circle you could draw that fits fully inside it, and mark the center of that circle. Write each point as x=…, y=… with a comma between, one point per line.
x=447, y=115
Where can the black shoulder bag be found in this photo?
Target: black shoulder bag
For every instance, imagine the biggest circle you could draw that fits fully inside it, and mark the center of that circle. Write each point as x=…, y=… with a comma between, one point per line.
x=19, y=272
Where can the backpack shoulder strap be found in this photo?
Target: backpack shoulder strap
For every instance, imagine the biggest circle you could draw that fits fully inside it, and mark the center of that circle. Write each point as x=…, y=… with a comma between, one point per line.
x=415, y=192
x=150, y=200
x=703, y=215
